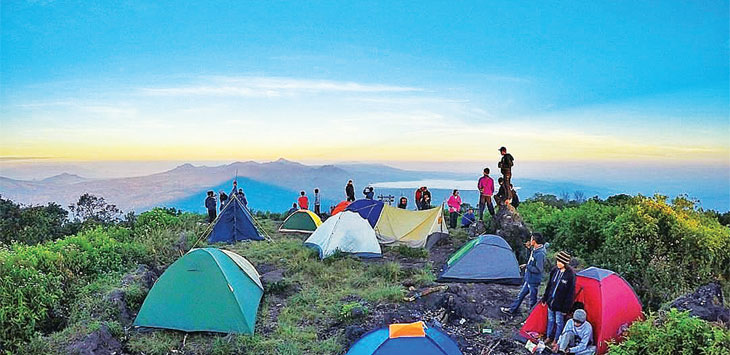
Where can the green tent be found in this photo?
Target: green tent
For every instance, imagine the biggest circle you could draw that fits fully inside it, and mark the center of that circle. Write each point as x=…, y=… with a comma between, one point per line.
x=302, y=221
x=209, y=290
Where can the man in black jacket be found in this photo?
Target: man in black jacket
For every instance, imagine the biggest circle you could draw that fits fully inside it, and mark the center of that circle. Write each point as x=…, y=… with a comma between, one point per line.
x=505, y=165
x=350, y=191
x=559, y=295
x=210, y=206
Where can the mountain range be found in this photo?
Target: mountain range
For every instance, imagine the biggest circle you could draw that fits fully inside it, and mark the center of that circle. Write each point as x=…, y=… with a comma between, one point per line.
x=272, y=186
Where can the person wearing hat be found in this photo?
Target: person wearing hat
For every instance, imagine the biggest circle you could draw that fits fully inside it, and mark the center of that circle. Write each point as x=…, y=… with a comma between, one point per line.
x=505, y=165
x=577, y=336
x=558, y=295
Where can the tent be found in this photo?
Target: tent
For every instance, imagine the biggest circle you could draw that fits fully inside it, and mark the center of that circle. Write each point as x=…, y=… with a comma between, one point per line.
x=340, y=207
x=607, y=298
x=416, y=229
x=368, y=209
x=233, y=224
x=207, y=289
x=346, y=232
x=302, y=221
x=487, y=258
x=413, y=338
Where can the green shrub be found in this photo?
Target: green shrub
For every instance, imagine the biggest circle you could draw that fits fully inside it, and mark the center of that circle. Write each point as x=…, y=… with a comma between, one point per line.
x=674, y=332
x=408, y=252
x=346, y=311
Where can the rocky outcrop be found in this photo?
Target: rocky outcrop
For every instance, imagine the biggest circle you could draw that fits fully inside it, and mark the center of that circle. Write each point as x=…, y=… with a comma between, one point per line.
x=510, y=226
x=100, y=342
x=707, y=303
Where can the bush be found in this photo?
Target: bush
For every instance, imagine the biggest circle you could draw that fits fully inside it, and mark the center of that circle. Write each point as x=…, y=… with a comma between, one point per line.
x=33, y=224
x=673, y=333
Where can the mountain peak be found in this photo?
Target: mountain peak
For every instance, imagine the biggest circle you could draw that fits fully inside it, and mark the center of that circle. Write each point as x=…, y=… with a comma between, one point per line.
x=64, y=178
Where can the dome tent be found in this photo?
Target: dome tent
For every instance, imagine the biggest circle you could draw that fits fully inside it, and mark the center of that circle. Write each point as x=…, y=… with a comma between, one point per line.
x=607, y=298
x=207, y=289
x=413, y=338
x=234, y=223
x=487, y=258
x=368, y=209
x=416, y=229
x=302, y=221
x=340, y=207
x=346, y=232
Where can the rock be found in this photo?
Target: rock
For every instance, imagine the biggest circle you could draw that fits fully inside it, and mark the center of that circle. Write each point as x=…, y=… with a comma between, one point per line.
x=272, y=277
x=145, y=275
x=512, y=228
x=100, y=342
x=707, y=303
x=357, y=312
x=182, y=243
x=116, y=297
x=353, y=333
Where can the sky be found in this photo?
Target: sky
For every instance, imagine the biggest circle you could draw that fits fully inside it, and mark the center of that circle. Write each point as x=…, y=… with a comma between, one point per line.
x=574, y=82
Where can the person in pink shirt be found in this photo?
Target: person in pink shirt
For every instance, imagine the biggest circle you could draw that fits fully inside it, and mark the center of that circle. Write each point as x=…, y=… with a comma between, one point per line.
x=486, y=190
x=454, y=204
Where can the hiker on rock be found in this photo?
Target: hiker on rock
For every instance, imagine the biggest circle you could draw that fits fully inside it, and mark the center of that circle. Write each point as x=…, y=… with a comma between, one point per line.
x=559, y=295
x=292, y=209
x=501, y=193
x=577, y=336
x=317, y=202
x=515, y=198
x=533, y=274
x=369, y=192
x=350, y=191
x=454, y=204
x=468, y=218
x=505, y=164
x=242, y=197
x=210, y=206
x=486, y=190
x=223, y=199
x=403, y=203
x=303, y=201
x=419, y=197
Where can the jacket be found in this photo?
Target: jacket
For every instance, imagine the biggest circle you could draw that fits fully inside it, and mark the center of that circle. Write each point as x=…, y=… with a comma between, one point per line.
x=454, y=203
x=368, y=193
x=486, y=186
x=515, y=199
x=350, y=191
x=303, y=202
x=467, y=219
x=535, y=266
x=210, y=203
x=583, y=335
x=506, y=162
x=560, y=290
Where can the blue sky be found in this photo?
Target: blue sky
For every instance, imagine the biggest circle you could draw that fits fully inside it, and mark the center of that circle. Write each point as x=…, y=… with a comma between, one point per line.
x=316, y=80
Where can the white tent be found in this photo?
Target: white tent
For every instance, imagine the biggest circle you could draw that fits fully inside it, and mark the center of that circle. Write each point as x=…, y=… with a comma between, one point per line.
x=346, y=232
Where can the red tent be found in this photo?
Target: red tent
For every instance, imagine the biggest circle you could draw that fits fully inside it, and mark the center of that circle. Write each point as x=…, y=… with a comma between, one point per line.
x=609, y=301
x=340, y=207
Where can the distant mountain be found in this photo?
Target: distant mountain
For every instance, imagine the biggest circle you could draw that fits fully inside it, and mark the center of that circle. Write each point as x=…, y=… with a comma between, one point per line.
x=63, y=179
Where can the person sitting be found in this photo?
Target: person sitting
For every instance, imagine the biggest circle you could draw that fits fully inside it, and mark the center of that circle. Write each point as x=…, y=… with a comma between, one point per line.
x=515, y=198
x=403, y=203
x=303, y=201
x=292, y=209
x=559, y=295
x=468, y=218
x=577, y=336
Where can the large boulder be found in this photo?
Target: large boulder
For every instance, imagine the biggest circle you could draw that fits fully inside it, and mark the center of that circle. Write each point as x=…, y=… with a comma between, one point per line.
x=100, y=342
x=512, y=228
x=707, y=303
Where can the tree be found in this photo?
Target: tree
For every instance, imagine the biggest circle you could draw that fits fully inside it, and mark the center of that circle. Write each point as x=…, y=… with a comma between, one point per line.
x=95, y=210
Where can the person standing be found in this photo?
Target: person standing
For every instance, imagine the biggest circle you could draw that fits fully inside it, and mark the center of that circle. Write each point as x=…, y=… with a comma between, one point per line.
x=242, y=197
x=419, y=198
x=317, y=202
x=210, y=206
x=454, y=204
x=350, y=191
x=223, y=199
x=303, y=201
x=505, y=164
x=425, y=199
x=235, y=188
x=533, y=274
x=485, y=185
x=558, y=295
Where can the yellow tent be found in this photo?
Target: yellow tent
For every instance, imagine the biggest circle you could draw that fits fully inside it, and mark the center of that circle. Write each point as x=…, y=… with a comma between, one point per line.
x=397, y=226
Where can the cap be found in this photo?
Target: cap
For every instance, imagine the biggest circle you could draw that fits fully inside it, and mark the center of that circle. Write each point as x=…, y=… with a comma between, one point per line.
x=580, y=315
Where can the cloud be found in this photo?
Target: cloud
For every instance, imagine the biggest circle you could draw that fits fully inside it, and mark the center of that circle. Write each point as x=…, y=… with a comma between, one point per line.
x=273, y=87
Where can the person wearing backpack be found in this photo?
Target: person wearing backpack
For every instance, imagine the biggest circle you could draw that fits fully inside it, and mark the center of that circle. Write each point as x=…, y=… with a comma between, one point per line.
x=505, y=165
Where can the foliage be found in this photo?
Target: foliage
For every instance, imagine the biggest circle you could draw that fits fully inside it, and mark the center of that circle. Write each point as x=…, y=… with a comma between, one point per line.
x=352, y=310
x=408, y=252
x=662, y=248
x=33, y=224
x=673, y=333
x=90, y=209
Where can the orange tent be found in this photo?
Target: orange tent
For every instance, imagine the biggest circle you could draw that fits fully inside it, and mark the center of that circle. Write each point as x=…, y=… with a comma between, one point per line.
x=340, y=207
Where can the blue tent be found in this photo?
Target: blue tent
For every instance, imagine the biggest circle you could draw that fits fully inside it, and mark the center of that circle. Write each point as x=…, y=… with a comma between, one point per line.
x=487, y=258
x=234, y=223
x=368, y=209
x=390, y=341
